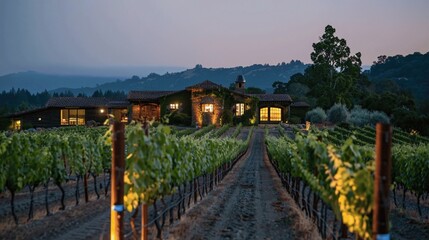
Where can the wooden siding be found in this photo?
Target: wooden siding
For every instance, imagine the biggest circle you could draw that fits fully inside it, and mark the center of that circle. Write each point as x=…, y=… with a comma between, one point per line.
x=146, y=111
x=51, y=117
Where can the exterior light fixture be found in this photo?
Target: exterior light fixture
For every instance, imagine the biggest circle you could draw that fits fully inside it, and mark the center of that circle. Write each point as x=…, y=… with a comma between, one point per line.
x=40, y=119
x=102, y=110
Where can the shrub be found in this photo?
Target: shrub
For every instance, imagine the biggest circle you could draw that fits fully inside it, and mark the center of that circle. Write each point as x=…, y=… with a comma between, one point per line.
x=377, y=117
x=316, y=115
x=247, y=117
x=226, y=117
x=359, y=117
x=294, y=119
x=338, y=113
x=178, y=118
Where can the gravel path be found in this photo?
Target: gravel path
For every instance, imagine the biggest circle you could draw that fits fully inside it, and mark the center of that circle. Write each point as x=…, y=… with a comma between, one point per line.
x=248, y=204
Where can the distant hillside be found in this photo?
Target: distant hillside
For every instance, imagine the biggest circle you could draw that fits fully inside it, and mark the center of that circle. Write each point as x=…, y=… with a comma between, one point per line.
x=258, y=75
x=38, y=82
x=409, y=72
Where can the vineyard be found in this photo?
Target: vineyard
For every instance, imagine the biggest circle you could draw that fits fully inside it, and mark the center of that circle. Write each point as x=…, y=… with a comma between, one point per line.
x=328, y=173
x=64, y=159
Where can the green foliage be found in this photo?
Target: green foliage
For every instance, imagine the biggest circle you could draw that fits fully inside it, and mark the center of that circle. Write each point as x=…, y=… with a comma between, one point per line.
x=226, y=117
x=158, y=162
x=33, y=158
x=316, y=115
x=201, y=132
x=379, y=117
x=334, y=76
x=411, y=168
x=411, y=120
x=254, y=90
x=217, y=133
x=294, y=119
x=387, y=102
x=408, y=72
x=342, y=176
x=335, y=71
x=186, y=132
x=237, y=130
x=280, y=87
x=359, y=117
x=338, y=113
x=180, y=119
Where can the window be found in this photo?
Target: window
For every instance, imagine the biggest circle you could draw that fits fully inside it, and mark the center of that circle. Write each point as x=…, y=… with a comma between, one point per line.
x=174, y=106
x=17, y=125
x=208, y=107
x=272, y=114
x=81, y=117
x=124, y=116
x=72, y=116
x=275, y=114
x=239, y=109
x=263, y=114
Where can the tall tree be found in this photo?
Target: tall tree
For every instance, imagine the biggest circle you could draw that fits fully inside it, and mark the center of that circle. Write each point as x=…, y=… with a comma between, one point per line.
x=335, y=71
x=279, y=87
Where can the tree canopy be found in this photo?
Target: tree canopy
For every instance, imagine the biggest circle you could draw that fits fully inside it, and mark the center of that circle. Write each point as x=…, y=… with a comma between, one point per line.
x=335, y=71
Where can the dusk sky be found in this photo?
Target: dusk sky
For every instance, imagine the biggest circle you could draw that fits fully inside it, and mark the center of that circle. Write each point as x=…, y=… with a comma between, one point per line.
x=53, y=34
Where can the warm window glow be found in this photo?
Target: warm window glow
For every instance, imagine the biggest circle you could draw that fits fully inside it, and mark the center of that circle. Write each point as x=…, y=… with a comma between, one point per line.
x=72, y=116
x=17, y=124
x=263, y=114
x=208, y=107
x=124, y=116
x=275, y=114
x=174, y=106
x=272, y=114
x=239, y=109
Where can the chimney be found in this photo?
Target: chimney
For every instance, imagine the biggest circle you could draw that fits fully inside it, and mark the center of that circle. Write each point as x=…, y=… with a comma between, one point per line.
x=240, y=84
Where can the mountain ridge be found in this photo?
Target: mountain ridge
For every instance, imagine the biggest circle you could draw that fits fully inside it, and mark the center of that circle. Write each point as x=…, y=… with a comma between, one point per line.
x=257, y=75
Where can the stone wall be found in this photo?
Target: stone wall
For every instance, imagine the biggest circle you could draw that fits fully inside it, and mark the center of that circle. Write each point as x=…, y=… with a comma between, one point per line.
x=200, y=118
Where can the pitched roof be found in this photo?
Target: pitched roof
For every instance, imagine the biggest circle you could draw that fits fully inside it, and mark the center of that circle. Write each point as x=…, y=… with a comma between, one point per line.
x=272, y=97
x=17, y=114
x=77, y=102
x=207, y=85
x=300, y=104
x=240, y=79
x=147, y=95
x=118, y=104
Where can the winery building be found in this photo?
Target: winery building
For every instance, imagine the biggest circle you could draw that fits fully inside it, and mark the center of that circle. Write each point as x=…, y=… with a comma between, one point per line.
x=199, y=105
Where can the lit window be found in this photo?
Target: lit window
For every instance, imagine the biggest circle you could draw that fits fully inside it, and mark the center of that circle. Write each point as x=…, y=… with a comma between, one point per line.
x=263, y=114
x=208, y=107
x=174, y=106
x=124, y=115
x=275, y=114
x=239, y=109
x=72, y=116
x=17, y=124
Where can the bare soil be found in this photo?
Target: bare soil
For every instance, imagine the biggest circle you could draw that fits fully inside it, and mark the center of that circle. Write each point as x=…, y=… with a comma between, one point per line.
x=250, y=203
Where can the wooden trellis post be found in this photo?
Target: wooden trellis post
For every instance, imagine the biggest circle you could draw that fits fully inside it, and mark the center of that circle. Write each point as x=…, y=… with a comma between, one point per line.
x=383, y=172
x=117, y=182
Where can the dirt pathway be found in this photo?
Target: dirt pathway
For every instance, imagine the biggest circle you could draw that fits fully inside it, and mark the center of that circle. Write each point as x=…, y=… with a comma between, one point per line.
x=248, y=204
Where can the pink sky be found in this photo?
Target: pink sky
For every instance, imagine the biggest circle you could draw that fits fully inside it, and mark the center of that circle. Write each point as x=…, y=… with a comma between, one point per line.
x=223, y=33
